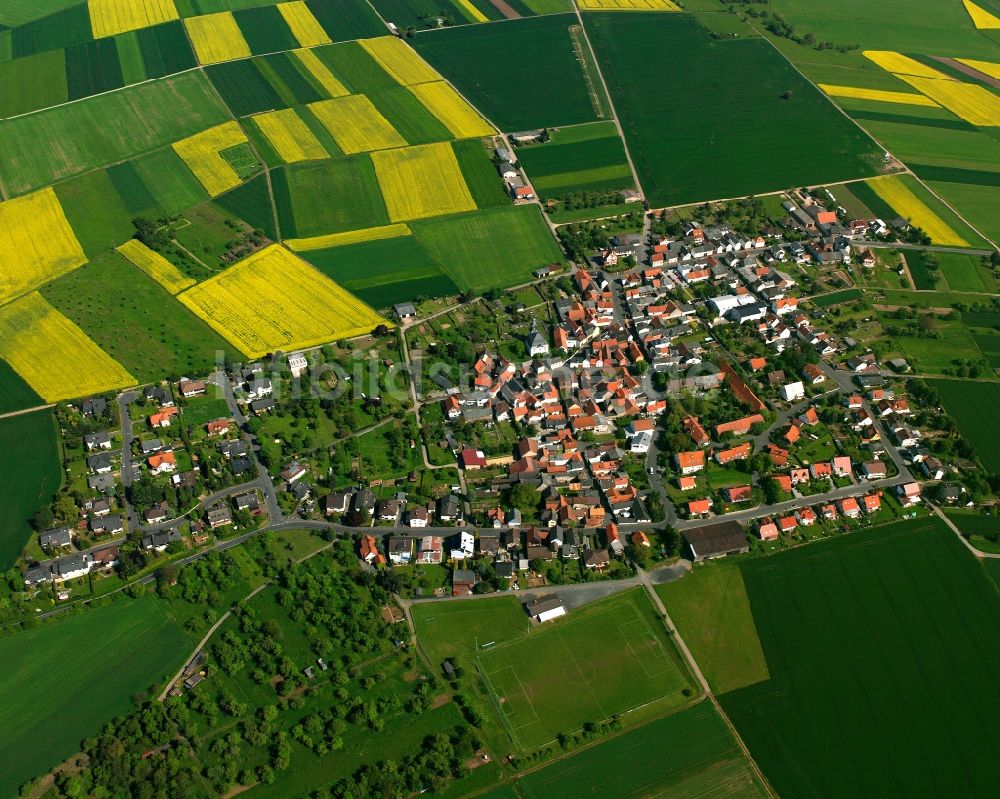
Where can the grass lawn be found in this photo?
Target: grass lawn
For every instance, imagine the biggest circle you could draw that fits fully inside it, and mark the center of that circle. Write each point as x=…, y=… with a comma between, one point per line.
x=64, y=680
x=864, y=635
x=199, y=410
x=451, y=629
x=704, y=84
x=963, y=272
x=934, y=355
x=557, y=678
x=686, y=755
x=31, y=471
x=712, y=611
x=492, y=248
x=975, y=407
x=931, y=299
x=133, y=319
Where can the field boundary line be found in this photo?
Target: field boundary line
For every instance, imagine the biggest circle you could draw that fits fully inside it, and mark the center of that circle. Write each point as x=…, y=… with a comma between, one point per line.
x=872, y=136
x=515, y=738
x=611, y=102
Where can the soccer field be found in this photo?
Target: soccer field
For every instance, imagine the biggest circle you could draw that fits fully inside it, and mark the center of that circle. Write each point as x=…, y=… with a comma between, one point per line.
x=597, y=663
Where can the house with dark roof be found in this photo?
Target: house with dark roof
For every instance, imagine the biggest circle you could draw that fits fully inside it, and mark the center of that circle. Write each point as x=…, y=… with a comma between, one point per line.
x=716, y=541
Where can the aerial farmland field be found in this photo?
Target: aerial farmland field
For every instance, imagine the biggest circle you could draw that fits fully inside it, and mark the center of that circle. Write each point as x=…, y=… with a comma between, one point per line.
x=296, y=306
x=135, y=320
x=975, y=408
x=40, y=148
x=384, y=271
x=696, y=756
x=465, y=246
x=53, y=355
x=31, y=471
x=495, y=67
x=789, y=134
x=574, y=160
x=865, y=633
x=108, y=654
x=321, y=197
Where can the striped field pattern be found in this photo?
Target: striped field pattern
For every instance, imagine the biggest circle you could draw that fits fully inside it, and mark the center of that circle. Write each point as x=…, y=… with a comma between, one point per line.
x=54, y=356
x=201, y=153
x=461, y=119
x=348, y=237
x=402, y=63
x=879, y=95
x=290, y=136
x=304, y=26
x=355, y=124
x=111, y=17
x=274, y=300
x=216, y=38
x=910, y=207
x=155, y=266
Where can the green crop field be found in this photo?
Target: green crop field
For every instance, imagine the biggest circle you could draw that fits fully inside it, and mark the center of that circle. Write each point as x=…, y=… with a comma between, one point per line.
x=901, y=25
x=15, y=394
x=962, y=272
x=251, y=202
x=703, y=86
x=408, y=116
x=711, y=609
x=384, y=272
x=481, y=177
x=975, y=407
x=978, y=203
x=79, y=197
x=33, y=82
x=134, y=320
x=328, y=197
x=64, y=680
x=601, y=660
x=922, y=278
x=355, y=68
x=927, y=355
x=492, y=248
x=161, y=176
x=688, y=755
x=864, y=636
x=972, y=523
x=31, y=470
x=40, y=148
x=521, y=74
x=836, y=298
x=577, y=162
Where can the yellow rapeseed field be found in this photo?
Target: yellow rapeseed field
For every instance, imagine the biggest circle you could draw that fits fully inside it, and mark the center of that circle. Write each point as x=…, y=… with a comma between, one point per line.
x=111, y=17
x=290, y=136
x=905, y=203
x=216, y=37
x=355, y=124
x=396, y=58
x=53, y=355
x=474, y=13
x=421, y=181
x=879, y=95
x=320, y=72
x=201, y=153
x=975, y=104
x=155, y=265
x=304, y=26
x=986, y=67
x=899, y=65
x=461, y=119
x=349, y=237
x=274, y=300
x=981, y=18
x=627, y=5
x=37, y=243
